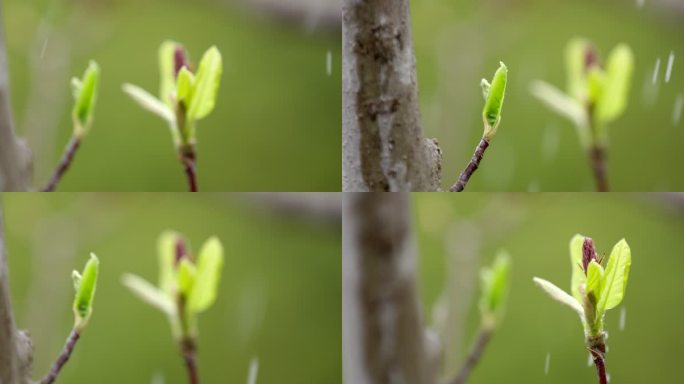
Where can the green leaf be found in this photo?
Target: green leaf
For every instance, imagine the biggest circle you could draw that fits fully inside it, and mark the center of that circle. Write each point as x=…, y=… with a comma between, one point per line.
x=149, y=102
x=149, y=293
x=494, y=288
x=491, y=114
x=485, y=88
x=564, y=105
x=595, y=84
x=559, y=295
x=76, y=277
x=85, y=96
x=578, y=276
x=83, y=300
x=184, y=87
x=167, y=79
x=186, y=276
x=575, y=62
x=616, y=275
x=619, y=69
x=210, y=264
x=207, y=84
x=166, y=250
x=595, y=281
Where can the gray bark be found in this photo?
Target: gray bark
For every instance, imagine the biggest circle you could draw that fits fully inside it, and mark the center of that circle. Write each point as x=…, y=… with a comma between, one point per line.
x=383, y=148
x=383, y=336
x=15, y=346
x=15, y=156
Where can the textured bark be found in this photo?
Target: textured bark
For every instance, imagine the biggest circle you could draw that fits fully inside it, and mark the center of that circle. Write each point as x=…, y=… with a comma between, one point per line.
x=383, y=148
x=382, y=325
x=15, y=346
x=15, y=156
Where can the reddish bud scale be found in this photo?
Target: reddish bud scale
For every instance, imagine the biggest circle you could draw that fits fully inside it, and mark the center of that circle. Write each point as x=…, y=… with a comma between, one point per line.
x=181, y=251
x=180, y=60
x=588, y=253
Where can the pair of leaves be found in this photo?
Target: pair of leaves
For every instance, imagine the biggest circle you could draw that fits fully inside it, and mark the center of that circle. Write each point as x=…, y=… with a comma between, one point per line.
x=84, y=91
x=607, y=286
x=494, y=282
x=84, y=285
x=494, y=96
x=196, y=93
x=197, y=283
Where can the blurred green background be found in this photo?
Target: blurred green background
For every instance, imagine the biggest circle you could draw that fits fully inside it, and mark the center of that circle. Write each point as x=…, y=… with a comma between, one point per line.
x=459, y=42
x=276, y=125
x=280, y=297
x=536, y=231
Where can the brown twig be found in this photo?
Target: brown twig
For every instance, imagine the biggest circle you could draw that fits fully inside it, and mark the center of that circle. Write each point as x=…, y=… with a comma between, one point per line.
x=189, y=352
x=474, y=356
x=188, y=159
x=597, y=348
x=460, y=185
x=62, y=359
x=64, y=163
x=597, y=156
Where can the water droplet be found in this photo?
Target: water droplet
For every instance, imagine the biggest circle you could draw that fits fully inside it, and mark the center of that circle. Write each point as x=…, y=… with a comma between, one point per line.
x=677, y=112
x=547, y=364
x=623, y=318
x=42, y=50
x=590, y=360
x=668, y=72
x=253, y=371
x=328, y=63
x=640, y=3
x=656, y=70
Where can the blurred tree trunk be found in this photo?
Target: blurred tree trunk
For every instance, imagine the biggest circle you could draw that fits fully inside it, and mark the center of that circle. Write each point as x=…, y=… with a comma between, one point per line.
x=15, y=346
x=15, y=157
x=383, y=148
x=383, y=336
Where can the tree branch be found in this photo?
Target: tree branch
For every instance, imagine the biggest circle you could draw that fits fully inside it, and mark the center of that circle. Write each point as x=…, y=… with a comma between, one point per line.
x=64, y=163
x=63, y=358
x=472, y=166
x=383, y=148
x=15, y=346
x=483, y=337
x=384, y=340
x=15, y=156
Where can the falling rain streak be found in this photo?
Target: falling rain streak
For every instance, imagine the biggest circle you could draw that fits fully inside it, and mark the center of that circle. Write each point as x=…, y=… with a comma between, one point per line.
x=547, y=363
x=656, y=70
x=623, y=318
x=640, y=3
x=670, y=62
x=253, y=371
x=677, y=113
x=328, y=63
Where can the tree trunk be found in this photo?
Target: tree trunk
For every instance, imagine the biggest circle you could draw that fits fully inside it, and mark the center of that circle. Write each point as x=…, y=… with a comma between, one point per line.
x=383, y=148
x=383, y=337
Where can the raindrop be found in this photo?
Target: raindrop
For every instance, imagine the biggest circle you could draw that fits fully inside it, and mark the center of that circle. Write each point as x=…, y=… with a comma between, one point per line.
x=640, y=3
x=623, y=318
x=550, y=143
x=656, y=70
x=677, y=113
x=608, y=377
x=42, y=50
x=547, y=363
x=668, y=72
x=590, y=360
x=253, y=371
x=328, y=63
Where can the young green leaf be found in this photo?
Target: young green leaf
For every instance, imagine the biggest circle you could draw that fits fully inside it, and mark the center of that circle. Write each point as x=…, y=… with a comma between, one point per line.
x=186, y=276
x=149, y=293
x=578, y=276
x=210, y=264
x=207, y=84
x=485, y=88
x=559, y=295
x=575, y=66
x=85, y=96
x=494, y=288
x=167, y=78
x=617, y=272
x=83, y=300
x=619, y=69
x=149, y=102
x=184, y=87
x=491, y=114
x=594, y=278
x=166, y=251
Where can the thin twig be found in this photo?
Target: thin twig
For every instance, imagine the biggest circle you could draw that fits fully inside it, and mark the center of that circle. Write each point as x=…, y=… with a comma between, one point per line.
x=62, y=359
x=597, y=348
x=188, y=159
x=597, y=156
x=65, y=162
x=189, y=352
x=474, y=356
x=460, y=185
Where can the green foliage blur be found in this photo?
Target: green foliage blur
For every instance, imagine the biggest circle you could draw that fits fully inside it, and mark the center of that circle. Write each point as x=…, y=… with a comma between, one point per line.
x=456, y=43
x=536, y=230
x=276, y=125
x=279, y=298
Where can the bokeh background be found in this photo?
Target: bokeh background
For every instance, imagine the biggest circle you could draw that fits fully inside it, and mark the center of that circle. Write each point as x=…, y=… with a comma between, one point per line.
x=277, y=122
x=458, y=235
x=459, y=42
x=279, y=299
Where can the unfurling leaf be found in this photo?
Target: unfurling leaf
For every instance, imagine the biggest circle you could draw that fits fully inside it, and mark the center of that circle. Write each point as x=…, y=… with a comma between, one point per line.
x=485, y=88
x=618, y=76
x=85, y=96
x=491, y=114
x=149, y=293
x=167, y=78
x=184, y=86
x=209, y=266
x=85, y=292
x=578, y=275
x=149, y=102
x=575, y=65
x=186, y=276
x=595, y=281
x=616, y=274
x=166, y=251
x=559, y=295
x=207, y=84
x=494, y=288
